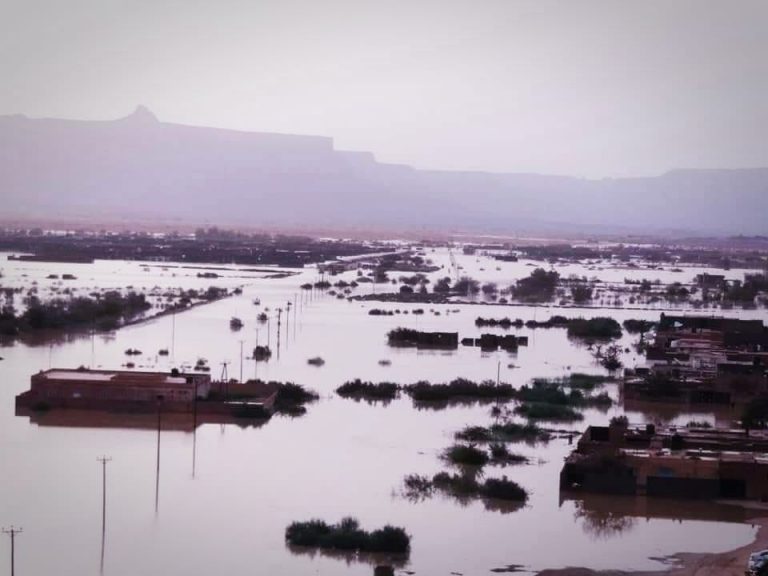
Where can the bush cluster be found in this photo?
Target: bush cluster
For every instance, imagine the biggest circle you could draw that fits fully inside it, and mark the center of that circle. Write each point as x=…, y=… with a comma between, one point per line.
x=359, y=390
x=348, y=536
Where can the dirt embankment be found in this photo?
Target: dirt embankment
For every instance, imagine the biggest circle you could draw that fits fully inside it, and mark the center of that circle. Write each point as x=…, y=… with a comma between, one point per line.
x=730, y=563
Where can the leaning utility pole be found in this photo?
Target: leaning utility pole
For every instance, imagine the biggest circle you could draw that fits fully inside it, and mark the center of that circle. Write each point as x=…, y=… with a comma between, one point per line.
x=12, y=533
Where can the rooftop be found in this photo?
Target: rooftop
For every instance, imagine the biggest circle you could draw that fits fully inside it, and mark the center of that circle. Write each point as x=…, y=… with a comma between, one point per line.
x=115, y=376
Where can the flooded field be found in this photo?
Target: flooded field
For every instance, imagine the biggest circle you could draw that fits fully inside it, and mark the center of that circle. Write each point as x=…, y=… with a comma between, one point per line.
x=224, y=494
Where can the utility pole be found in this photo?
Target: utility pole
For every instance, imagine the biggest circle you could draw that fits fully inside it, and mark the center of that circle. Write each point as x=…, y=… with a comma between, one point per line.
x=241, y=361
x=295, y=310
x=225, y=379
x=103, y=460
x=173, y=334
x=160, y=399
x=12, y=532
x=279, y=322
x=287, y=322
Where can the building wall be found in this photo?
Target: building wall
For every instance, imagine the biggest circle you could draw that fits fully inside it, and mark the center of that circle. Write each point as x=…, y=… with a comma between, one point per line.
x=141, y=389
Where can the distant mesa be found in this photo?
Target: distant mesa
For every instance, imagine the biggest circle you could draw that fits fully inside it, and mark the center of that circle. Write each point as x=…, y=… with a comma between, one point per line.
x=142, y=115
x=141, y=169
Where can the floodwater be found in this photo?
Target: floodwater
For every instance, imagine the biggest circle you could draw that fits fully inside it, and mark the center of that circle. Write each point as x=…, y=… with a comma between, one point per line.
x=224, y=494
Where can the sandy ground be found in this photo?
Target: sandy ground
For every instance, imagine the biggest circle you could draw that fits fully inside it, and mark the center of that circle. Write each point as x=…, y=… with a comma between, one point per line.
x=731, y=563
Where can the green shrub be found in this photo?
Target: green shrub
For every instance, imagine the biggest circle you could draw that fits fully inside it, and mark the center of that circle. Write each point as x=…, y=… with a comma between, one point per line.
x=638, y=326
x=457, y=484
x=417, y=486
x=500, y=454
x=474, y=434
x=458, y=390
x=514, y=431
x=357, y=389
x=503, y=489
x=598, y=328
x=466, y=455
x=546, y=411
x=389, y=539
x=348, y=536
x=291, y=398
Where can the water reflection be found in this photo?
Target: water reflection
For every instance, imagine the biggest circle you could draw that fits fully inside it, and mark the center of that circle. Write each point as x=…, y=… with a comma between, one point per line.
x=606, y=516
x=399, y=561
x=172, y=421
x=463, y=488
x=376, y=447
x=52, y=337
x=668, y=413
x=602, y=524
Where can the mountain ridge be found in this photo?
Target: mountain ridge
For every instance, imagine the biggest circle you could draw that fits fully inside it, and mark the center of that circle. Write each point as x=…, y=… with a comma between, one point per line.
x=142, y=166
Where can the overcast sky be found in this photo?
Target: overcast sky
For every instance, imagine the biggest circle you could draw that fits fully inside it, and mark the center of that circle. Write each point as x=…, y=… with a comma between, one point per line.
x=586, y=88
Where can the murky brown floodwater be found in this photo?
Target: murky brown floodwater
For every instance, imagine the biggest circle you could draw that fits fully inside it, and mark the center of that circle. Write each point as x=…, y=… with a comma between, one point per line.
x=226, y=493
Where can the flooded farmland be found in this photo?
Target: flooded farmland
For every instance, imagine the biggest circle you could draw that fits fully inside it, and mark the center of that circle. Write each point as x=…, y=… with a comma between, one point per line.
x=219, y=497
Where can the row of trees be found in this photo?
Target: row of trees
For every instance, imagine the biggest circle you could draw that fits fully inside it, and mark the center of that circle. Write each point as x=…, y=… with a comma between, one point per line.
x=103, y=311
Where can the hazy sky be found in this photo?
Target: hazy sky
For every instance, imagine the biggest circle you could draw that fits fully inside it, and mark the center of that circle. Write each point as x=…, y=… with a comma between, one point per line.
x=589, y=88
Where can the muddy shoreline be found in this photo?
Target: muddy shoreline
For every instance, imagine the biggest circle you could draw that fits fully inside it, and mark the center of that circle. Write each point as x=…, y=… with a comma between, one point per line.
x=730, y=563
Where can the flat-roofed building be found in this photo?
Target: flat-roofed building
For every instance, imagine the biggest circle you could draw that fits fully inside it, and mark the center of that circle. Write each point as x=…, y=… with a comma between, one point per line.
x=61, y=384
x=679, y=462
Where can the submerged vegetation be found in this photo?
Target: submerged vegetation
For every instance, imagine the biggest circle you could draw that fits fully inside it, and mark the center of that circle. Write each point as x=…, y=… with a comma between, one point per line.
x=459, y=390
x=348, y=536
x=472, y=456
x=504, y=432
x=359, y=390
x=554, y=392
x=540, y=286
x=464, y=486
x=634, y=326
x=546, y=411
x=101, y=311
x=291, y=398
x=104, y=312
x=598, y=328
x=464, y=455
x=556, y=400
x=409, y=337
x=543, y=399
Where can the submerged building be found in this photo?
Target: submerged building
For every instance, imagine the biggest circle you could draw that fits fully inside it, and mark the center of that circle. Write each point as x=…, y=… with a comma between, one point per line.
x=703, y=359
x=131, y=391
x=677, y=462
x=64, y=385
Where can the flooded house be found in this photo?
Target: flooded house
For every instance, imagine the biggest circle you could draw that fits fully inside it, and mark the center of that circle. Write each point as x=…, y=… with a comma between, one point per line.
x=710, y=281
x=700, y=463
x=703, y=359
x=508, y=342
x=63, y=385
x=142, y=392
x=419, y=339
